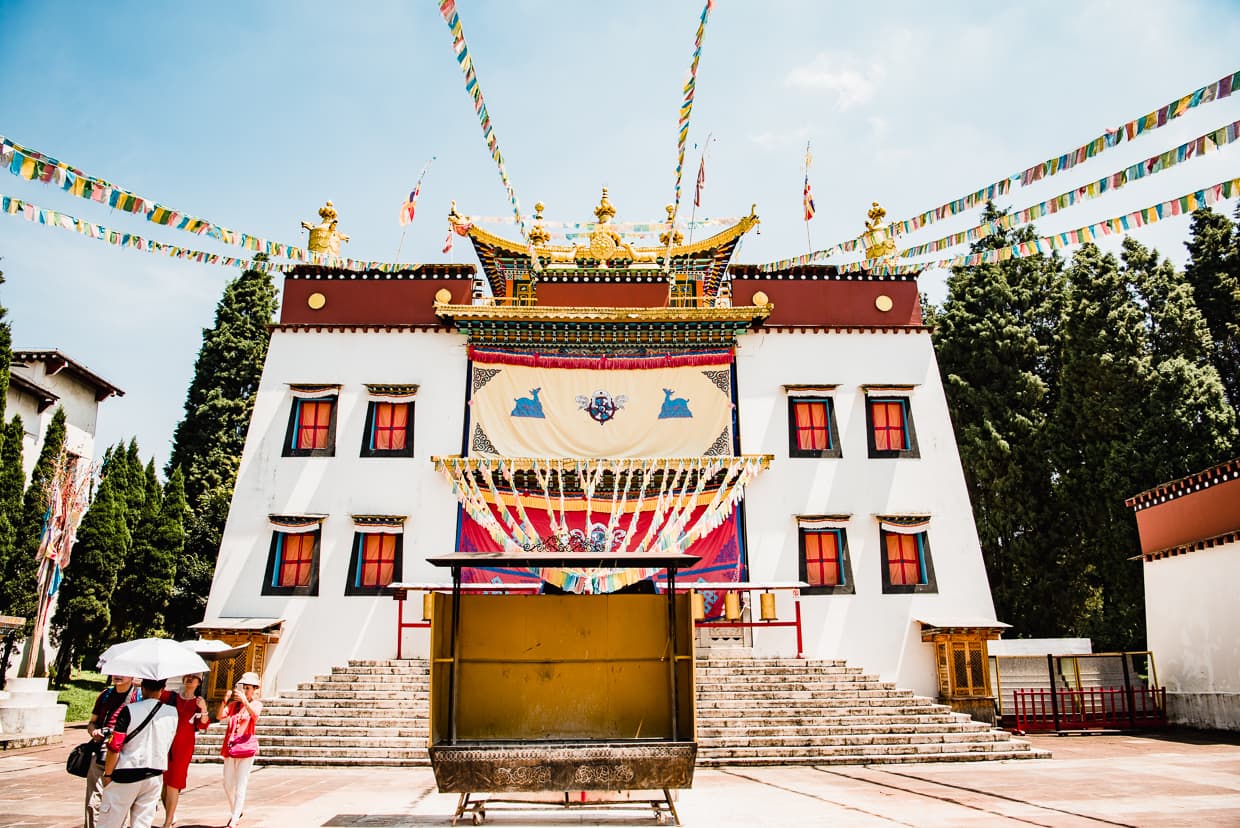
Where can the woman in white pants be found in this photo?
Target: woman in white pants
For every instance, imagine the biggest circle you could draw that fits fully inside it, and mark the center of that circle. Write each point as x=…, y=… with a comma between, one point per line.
x=239, y=713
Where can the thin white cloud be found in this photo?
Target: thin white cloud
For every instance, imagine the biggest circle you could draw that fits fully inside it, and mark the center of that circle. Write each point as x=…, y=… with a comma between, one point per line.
x=841, y=73
x=770, y=140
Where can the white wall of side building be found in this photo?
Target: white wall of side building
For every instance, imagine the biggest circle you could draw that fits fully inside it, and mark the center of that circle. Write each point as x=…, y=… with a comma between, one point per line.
x=330, y=628
x=871, y=629
x=1192, y=628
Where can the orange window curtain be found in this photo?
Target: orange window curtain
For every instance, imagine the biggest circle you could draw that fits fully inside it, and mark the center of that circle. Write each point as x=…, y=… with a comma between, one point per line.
x=314, y=424
x=812, y=432
x=904, y=559
x=822, y=558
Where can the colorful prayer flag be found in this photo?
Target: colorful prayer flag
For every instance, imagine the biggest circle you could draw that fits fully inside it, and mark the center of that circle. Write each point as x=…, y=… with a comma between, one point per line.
x=701, y=181
x=807, y=200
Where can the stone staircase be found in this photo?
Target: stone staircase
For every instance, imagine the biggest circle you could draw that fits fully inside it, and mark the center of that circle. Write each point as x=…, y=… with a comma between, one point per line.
x=751, y=711
x=370, y=713
x=760, y=711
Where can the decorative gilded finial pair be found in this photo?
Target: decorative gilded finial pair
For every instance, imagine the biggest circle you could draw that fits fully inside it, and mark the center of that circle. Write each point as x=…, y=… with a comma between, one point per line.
x=879, y=244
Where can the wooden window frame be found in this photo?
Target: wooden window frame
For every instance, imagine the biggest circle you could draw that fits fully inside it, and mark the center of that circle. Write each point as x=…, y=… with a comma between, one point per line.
x=834, y=449
x=353, y=585
x=368, y=433
x=910, y=434
x=925, y=560
x=274, y=552
x=294, y=418
x=847, y=585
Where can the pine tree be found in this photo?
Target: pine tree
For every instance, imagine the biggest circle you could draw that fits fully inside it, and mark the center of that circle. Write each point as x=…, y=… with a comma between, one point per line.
x=208, y=441
x=84, y=615
x=995, y=338
x=6, y=354
x=20, y=590
x=144, y=584
x=12, y=478
x=1213, y=271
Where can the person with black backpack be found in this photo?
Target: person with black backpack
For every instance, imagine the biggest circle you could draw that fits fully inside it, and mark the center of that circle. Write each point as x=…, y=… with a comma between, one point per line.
x=103, y=715
x=137, y=759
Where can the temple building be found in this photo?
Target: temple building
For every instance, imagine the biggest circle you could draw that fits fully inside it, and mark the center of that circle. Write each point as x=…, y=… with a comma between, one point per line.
x=787, y=426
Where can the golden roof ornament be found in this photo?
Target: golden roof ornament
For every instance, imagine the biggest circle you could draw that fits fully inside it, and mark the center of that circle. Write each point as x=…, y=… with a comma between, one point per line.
x=538, y=235
x=677, y=236
x=879, y=244
x=606, y=245
x=324, y=238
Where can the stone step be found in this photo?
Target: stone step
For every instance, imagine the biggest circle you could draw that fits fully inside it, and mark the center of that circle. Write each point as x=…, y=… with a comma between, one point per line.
x=813, y=729
x=704, y=760
x=800, y=685
x=415, y=761
x=844, y=692
x=266, y=728
x=345, y=693
x=825, y=706
x=795, y=719
x=272, y=740
x=901, y=740
x=923, y=749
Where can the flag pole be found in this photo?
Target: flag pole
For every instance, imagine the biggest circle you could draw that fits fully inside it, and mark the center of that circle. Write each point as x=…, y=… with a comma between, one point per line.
x=401, y=244
x=697, y=191
x=809, y=244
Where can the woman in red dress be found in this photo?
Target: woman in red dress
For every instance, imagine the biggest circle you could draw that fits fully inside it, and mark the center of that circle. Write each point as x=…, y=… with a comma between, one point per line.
x=192, y=717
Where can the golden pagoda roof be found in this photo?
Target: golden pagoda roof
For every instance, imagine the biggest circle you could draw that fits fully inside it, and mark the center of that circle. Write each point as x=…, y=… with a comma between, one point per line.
x=503, y=259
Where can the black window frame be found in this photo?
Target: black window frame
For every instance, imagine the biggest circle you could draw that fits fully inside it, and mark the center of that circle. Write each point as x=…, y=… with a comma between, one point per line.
x=367, y=432
x=931, y=586
x=835, y=449
x=355, y=562
x=311, y=589
x=848, y=587
x=291, y=432
x=913, y=451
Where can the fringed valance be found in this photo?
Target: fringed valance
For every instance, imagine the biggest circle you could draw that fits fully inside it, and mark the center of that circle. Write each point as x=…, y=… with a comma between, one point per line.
x=822, y=390
x=822, y=521
x=887, y=389
x=314, y=392
x=380, y=524
x=719, y=358
x=296, y=524
x=904, y=524
x=391, y=393
x=660, y=505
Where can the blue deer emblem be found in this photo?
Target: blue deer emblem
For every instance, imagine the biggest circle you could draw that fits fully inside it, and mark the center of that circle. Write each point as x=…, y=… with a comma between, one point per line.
x=674, y=407
x=528, y=406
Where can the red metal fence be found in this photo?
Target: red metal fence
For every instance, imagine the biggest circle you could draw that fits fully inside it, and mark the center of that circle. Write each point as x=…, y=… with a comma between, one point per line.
x=1090, y=708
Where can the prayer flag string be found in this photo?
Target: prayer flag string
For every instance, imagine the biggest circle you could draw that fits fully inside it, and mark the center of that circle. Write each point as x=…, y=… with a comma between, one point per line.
x=686, y=105
x=1220, y=89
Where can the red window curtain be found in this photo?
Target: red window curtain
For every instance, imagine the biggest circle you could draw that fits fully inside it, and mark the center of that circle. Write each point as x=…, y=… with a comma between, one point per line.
x=888, y=418
x=903, y=560
x=822, y=558
x=314, y=424
x=378, y=561
x=390, y=426
x=296, y=559
x=812, y=431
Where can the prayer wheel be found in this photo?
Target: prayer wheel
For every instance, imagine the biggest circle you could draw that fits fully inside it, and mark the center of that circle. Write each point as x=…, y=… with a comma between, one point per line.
x=428, y=603
x=768, y=606
x=699, y=606
x=732, y=606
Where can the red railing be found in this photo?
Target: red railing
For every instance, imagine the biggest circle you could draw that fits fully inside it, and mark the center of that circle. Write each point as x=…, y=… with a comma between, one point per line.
x=400, y=592
x=1090, y=708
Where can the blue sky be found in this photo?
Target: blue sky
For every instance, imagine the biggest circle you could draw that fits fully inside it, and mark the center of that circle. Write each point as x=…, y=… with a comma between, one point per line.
x=252, y=114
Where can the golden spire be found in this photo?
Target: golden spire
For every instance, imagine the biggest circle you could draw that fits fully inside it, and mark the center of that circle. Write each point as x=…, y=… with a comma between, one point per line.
x=604, y=211
x=324, y=238
x=879, y=244
x=538, y=235
x=677, y=236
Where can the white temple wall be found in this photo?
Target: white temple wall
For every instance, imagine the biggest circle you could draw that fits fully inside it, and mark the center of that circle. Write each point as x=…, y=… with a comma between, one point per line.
x=871, y=629
x=327, y=629
x=1192, y=628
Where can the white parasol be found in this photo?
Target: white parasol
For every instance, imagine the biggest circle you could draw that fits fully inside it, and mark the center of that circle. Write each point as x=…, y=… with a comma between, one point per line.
x=211, y=649
x=150, y=658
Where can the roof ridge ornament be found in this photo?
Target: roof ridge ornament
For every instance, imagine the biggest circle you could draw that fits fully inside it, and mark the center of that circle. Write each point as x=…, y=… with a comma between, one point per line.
x=606, y=245
x=324, y=238
x=879, y=243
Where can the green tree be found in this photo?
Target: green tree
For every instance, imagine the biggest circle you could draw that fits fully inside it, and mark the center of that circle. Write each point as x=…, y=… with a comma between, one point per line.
x=12, y=478
x=207, y=443
x=6, y=354
x=84, y=615
x=996, y=339
x=1213, y=271
x=20, y=589
x=144, y=584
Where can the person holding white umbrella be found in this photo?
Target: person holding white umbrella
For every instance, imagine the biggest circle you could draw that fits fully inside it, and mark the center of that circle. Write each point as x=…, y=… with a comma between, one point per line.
x=137, y=759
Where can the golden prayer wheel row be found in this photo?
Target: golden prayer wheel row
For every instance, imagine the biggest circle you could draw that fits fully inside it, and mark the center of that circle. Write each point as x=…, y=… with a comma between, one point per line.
x=732, y=606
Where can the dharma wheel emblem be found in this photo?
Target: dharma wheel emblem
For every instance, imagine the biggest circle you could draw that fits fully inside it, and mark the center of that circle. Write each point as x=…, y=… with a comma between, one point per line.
x=600, y=405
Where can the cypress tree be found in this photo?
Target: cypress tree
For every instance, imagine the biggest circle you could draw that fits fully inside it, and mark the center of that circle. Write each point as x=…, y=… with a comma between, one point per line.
x=21, y=590
x=144, y=584
x=6, y=354
x=1213, y=271
x=207, y=443
x=996, y=339
x=84, y=615
x=12, y=478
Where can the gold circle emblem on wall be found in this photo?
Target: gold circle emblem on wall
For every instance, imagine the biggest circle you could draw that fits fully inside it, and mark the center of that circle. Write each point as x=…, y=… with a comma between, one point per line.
x=760, y=298
x=443, y=296
x=316, y=301
x=883, y=303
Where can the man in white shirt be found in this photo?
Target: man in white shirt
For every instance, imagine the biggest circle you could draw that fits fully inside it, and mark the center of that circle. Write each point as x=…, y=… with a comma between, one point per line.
x=137, y=759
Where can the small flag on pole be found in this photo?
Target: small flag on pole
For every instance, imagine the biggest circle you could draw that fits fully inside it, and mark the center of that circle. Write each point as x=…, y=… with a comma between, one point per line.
x=807, y=195
x=701, y=182
x=411, y=204
x=447, y=243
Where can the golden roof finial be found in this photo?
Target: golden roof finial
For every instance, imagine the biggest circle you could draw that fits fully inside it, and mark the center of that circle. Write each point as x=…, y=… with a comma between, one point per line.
x=879, y=244
x=676, y=236
x=324, y=238
x=538, y=235
x=604, y=211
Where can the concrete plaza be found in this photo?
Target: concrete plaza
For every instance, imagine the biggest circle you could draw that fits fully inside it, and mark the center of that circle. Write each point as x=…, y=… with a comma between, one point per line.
x=1179, y=778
